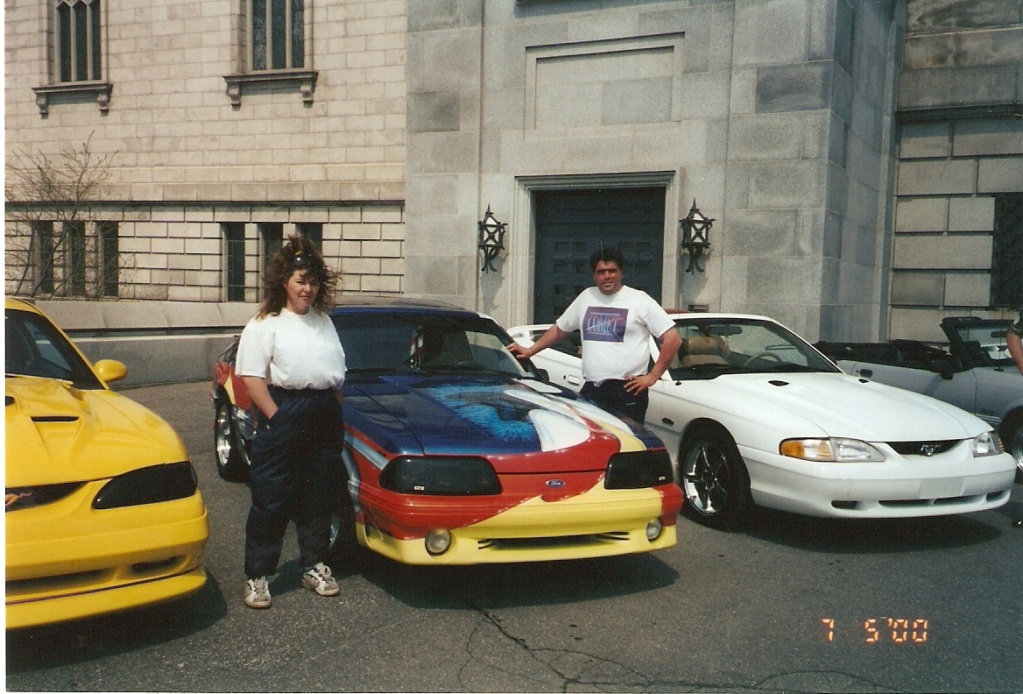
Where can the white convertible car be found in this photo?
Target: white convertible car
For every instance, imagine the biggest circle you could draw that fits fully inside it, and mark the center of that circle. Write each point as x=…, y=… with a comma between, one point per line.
x=754, y=415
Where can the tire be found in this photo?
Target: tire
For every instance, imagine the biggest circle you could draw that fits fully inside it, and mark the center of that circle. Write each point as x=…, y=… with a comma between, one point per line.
x=344, y=546
x=229, y=452
x=714, y=480
x=1011, y=432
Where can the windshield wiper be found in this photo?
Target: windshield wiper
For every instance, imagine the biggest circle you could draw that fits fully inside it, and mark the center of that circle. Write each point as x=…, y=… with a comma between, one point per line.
x=467, y=367
x=377, y=370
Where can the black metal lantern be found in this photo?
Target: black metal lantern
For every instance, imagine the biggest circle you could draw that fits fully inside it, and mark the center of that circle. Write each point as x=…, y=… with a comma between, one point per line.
x=695, y=237
x=491, y=239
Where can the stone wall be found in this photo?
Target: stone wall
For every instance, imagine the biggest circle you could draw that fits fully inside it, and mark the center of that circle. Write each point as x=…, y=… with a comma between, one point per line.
x=960, y=144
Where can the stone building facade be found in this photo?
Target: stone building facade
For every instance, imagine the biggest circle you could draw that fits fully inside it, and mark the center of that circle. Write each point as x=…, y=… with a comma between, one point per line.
x=204, y=149
x=860, y=158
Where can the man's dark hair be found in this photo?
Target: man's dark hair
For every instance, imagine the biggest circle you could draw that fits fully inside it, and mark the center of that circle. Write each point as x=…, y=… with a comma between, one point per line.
x=608, y=255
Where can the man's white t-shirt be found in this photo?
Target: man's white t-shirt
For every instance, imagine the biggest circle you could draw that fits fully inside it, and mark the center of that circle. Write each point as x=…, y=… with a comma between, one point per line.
x=615, y=331
x=292, y=351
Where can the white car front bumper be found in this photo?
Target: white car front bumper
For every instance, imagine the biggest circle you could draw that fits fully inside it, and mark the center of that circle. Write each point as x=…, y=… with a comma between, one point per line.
x=900, y=487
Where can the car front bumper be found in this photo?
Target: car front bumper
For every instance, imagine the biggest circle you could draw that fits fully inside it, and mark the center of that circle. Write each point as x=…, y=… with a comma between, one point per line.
x=67, y=561
x=899, y=487
x=598, y=523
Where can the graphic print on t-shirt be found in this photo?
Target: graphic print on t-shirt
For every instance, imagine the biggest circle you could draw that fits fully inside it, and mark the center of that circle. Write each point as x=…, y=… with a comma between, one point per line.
x=604, y=324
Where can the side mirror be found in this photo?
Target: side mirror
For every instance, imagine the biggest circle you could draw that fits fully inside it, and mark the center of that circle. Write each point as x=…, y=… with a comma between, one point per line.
x=544, y=376
x=110, y=370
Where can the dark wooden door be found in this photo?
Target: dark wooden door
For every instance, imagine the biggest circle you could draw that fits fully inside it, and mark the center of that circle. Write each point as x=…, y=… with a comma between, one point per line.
x=571, y=224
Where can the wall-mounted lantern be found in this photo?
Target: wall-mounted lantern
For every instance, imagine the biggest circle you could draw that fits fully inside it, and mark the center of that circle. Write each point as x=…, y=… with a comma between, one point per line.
x=695, y=237
x=491, y=239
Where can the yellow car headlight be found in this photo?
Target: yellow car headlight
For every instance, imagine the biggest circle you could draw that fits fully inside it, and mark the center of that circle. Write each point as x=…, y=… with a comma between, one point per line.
x=148, y=485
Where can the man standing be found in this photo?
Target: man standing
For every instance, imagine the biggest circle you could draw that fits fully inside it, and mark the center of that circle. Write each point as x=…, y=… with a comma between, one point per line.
x=1014, y=341
x=616, y=323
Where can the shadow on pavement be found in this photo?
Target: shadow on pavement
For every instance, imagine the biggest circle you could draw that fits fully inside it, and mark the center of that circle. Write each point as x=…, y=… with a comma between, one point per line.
x=491, y=586
x=872, y=536
x=87, y=639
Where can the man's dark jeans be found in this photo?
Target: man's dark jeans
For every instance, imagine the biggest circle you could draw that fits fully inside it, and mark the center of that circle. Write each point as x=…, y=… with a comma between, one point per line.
x=611, y=395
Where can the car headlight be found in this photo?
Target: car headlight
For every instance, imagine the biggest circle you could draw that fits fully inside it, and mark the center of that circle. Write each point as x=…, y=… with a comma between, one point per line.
x=148, y=485
x=833, y=450
x=440, y=476
x=638, y=470
x=987, y=444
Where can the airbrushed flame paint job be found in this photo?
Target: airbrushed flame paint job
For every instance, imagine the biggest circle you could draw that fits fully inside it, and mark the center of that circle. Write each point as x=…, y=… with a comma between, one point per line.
x=530, y=431
x=376, y=436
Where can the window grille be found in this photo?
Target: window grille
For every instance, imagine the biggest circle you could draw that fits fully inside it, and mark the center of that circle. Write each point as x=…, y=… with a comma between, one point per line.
x=44, y=249
x=109, y=263
x=234, y=251
x=74, y=235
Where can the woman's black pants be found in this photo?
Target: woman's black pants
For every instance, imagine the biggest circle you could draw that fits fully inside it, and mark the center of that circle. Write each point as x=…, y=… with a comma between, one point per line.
x=297, y=473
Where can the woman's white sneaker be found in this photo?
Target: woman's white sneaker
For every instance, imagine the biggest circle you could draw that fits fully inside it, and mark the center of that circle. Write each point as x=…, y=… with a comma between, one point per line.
x=257, y=593
x=317, y=578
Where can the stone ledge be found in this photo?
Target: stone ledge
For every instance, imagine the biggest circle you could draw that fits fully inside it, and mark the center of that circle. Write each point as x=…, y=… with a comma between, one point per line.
x=84, y=316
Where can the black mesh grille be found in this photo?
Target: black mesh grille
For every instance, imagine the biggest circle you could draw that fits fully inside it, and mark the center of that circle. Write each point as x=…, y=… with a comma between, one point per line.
x=924, y=448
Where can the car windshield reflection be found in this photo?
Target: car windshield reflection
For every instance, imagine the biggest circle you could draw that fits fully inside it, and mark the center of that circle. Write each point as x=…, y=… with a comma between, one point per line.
x=33, y=347
x=711, y=347
x=406, y=343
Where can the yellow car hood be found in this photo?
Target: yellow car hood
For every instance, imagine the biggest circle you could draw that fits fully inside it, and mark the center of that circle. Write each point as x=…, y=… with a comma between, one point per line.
x=57, y=433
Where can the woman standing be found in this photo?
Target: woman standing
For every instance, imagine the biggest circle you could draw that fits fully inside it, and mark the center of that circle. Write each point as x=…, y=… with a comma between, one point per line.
x=293, y=365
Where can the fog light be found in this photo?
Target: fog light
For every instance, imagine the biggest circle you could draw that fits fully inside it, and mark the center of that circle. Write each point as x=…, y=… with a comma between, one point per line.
x=438, y=541
x=653, y=529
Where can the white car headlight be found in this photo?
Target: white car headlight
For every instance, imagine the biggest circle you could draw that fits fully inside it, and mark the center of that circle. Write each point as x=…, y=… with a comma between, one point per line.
x=987, y=444
x=831, y=450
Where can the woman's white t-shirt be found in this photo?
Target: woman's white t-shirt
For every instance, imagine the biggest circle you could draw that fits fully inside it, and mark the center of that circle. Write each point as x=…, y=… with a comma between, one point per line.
x=292, y=351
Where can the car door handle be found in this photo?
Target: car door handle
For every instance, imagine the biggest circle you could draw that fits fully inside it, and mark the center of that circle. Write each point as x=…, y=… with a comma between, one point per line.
x=573, y=380
x=866, y=372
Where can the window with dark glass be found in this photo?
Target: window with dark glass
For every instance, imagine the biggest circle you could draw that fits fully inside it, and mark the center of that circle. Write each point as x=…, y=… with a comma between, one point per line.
x=78, y=43
x=271, y=235
x=1007, y=260
x=271, y=239
x=74, y=237
x=109, y=250
x=278, y=34
x=234, y=250
x=312, y=231
x=42, y=240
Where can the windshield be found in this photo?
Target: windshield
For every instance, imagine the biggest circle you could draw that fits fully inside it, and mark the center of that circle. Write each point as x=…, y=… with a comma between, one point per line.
x=713, y=346
x=34, y=347
x=985, y=342
x=410, y=342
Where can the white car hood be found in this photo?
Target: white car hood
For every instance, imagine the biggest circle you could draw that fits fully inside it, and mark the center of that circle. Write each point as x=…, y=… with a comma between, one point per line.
x=822, y=404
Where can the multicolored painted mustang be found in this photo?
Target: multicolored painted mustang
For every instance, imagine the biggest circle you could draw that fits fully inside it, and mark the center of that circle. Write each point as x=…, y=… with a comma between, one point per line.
x=457, y=453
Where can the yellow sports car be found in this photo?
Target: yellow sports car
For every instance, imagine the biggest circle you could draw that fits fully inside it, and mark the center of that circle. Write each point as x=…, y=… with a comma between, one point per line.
x=101, y=504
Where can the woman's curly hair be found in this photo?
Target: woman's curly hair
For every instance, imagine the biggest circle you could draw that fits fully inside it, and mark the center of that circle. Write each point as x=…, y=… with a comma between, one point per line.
x=298, y=253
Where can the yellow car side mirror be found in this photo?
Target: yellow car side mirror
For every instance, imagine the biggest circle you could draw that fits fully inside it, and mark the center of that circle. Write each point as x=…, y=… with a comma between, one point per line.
x=110, y=370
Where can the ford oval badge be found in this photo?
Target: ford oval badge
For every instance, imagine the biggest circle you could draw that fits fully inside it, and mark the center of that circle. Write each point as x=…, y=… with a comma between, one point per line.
x=555, y=484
